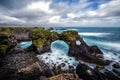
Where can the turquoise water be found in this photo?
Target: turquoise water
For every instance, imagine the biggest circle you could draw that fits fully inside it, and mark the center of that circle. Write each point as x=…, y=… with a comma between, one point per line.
x=59, y=45
x=107, y=39
x=25, y=45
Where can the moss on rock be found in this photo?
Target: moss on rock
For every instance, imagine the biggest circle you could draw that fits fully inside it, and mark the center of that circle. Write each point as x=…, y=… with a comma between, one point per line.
x=41, y=36
x=7, y=30
x=3, y=49
x=4, y=43
x=69, y=35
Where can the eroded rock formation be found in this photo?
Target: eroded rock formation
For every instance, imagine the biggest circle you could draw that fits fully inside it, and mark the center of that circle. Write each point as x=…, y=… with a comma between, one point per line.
x=22, y=64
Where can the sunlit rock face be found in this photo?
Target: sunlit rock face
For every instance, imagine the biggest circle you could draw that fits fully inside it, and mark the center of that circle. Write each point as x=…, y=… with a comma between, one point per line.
x=25, y=45
x=59, y=56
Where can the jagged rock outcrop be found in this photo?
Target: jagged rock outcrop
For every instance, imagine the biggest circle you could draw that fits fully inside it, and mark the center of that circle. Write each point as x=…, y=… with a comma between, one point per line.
x=43, y=38
x=24, y=65
x=87, y=73
x=17, y=63
x=20, y=35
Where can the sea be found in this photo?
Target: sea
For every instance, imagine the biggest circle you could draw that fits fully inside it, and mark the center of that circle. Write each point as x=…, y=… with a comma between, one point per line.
x=106, y=38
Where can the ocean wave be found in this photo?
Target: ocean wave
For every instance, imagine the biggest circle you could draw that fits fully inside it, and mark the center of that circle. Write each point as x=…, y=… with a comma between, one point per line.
x=96, y=34
x=111, y=56
x=104, y=44
x=110, y=49
x=59, y=31
x=73, y=29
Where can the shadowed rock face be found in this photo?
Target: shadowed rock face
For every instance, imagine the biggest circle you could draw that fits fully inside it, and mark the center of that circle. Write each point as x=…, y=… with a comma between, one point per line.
x=42, y=39
x=20, y=35
x=4, y=43
x=87, y=73
x=25, y=64
x=22, y=64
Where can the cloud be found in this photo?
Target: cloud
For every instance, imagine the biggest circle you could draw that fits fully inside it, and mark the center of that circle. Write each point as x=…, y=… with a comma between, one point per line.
x=60, y=12
x=40, y=5
x=9, y=19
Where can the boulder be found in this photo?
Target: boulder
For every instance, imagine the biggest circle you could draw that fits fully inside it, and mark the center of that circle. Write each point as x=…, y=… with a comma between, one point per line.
x=87, y=73
x=116, y=65
x=110, y=75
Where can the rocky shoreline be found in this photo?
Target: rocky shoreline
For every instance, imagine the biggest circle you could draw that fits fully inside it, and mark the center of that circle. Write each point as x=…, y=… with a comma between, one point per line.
x=18, y=63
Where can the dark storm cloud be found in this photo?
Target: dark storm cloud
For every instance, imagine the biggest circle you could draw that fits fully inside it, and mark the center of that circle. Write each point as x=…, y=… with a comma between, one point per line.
x=59, y=12
x=29, y=15
x=15, y=4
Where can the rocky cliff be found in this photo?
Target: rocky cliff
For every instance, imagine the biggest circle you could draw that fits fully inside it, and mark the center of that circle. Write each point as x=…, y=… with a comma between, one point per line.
x=18, y=63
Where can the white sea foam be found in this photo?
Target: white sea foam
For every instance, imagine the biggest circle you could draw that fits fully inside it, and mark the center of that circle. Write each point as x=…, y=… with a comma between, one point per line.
x=109, y=47
x=58, y=56
x=73, y=29
x=59, y=31
x=111, y=56
x=96, y=34
x=115, y=46
x=104, y=44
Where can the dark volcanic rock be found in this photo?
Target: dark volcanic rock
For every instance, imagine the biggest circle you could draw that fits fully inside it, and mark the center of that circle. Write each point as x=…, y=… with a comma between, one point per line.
x=111, y=76
x=4, y=43
x=91, y=54
x=26, y=66
x=117, y=72
x=95, y=51
x=86, y=73
x=42, y=39
x=43, y=49
x=20, y=35
x=8, y=74
x=116, y=65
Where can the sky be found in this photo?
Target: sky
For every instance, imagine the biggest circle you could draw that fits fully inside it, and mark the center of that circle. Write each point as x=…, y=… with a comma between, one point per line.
x=65, y=13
